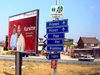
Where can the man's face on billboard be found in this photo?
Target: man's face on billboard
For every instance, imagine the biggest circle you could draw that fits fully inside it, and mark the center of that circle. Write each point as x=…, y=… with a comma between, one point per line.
x=19, y=30
x=14, y=29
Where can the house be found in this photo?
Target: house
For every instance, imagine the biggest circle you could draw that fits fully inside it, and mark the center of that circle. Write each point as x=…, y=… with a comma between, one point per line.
x=40, y=44
x=68, y=45
x=1, y=47
x=87, y=51
x=40, y=40
x=6, y=43
x=88, y=42
x=68, y=41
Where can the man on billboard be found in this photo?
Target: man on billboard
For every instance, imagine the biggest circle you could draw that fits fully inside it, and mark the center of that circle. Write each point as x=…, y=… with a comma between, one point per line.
x=20, y=40
x=13, y=40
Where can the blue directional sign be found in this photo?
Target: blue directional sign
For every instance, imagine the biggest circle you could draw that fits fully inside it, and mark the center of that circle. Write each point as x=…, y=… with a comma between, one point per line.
x=57, y=30
x=53, y=36
x=57, y=23
x=53, y=56
x=53, y=41
x=55, y=33
x=58, y=48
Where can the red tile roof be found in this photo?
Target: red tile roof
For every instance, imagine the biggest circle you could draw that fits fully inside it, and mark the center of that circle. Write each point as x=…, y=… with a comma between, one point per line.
x=90, y=40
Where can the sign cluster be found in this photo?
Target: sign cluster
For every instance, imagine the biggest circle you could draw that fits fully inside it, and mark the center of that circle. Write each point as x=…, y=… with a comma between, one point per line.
x=54, y=38
x=55, y=34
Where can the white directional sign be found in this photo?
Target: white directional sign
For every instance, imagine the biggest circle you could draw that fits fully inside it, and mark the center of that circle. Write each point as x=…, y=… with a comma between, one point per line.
x=57, y=11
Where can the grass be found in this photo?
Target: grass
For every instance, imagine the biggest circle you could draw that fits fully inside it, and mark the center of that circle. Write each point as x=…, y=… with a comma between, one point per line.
x=45, y=69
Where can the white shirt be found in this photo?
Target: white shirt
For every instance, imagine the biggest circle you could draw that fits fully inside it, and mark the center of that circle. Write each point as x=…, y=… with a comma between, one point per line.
x=20, y=43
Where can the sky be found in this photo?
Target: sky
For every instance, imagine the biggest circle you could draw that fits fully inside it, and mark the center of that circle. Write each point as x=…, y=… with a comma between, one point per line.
x=83, y=16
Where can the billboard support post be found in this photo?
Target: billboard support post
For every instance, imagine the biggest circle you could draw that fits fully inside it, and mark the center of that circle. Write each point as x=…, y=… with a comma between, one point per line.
x=37, y=32
x=18, y=63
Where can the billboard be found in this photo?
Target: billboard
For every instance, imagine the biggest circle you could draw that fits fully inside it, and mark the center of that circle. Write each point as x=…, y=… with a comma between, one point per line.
x=23, y=31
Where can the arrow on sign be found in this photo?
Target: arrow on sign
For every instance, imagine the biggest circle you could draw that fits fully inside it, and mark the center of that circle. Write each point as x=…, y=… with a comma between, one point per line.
x=63, y=29
x=45, y=42
x=46, y=36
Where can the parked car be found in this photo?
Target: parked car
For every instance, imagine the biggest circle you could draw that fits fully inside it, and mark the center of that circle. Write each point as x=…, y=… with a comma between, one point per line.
x=86, y=58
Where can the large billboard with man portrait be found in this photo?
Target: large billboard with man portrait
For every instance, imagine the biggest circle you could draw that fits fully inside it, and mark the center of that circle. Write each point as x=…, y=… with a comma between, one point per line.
x=23, y=31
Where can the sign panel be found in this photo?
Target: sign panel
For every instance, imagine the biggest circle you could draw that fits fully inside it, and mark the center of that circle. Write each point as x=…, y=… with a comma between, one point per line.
x=57, y=23
x=57, y=30
x=57, y=48
x=57, y=11
x=23, y=31
x=53, y=64
x=53, y=41
x=53, y=56
x=58, y=35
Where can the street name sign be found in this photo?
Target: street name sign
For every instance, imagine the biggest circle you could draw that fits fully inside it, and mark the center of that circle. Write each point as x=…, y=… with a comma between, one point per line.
x=53, y=56
x=57, y=30
x=57, y=23
x=54, y=36
x=53, y=41
x=58, y=48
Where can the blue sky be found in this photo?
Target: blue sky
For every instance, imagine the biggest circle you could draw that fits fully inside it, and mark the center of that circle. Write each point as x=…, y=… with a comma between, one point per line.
x=83, y=16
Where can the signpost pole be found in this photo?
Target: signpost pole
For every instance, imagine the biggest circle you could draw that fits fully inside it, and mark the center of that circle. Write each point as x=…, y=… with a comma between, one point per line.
x=57, y=2
x=55, y=70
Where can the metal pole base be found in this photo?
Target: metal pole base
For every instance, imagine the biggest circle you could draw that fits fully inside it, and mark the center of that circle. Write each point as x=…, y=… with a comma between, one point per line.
x=18, y=63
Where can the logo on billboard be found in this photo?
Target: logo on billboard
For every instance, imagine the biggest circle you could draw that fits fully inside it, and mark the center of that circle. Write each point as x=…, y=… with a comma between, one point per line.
x=29, y=28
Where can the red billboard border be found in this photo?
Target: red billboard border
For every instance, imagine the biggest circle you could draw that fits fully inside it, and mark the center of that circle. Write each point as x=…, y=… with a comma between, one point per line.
x=37, y=27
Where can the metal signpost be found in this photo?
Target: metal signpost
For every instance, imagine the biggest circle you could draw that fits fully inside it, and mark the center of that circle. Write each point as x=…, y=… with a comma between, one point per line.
x=55, y=34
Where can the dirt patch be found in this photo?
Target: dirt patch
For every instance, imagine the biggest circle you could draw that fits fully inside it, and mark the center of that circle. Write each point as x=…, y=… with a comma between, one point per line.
x=45, y=69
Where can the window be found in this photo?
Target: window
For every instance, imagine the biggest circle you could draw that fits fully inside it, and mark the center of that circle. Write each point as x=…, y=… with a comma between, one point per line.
x=95, y=44
x=92, y=44
x=85, y=44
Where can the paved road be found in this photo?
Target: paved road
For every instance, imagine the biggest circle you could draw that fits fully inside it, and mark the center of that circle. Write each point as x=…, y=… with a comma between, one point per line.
x=44, y=60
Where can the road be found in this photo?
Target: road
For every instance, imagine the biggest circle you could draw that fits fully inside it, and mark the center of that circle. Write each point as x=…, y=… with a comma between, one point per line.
x=44, y=60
